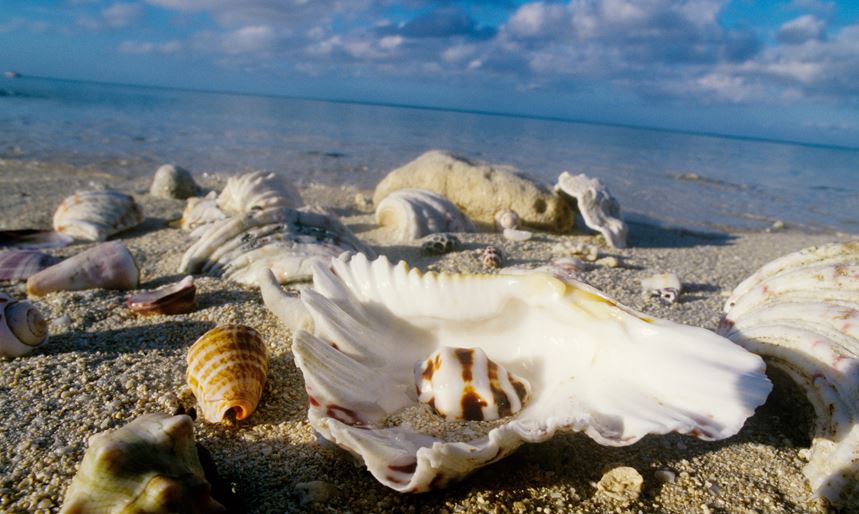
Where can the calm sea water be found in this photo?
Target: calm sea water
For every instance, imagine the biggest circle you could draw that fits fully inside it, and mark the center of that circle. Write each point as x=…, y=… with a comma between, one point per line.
x=695, y=181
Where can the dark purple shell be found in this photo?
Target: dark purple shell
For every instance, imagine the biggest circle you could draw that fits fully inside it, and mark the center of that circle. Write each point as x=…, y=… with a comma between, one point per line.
x=33, y=238
x=177, y=298
x=20, y=264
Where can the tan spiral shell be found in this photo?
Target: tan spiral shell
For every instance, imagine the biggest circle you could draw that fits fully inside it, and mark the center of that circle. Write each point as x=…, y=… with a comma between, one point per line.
x=227, y=369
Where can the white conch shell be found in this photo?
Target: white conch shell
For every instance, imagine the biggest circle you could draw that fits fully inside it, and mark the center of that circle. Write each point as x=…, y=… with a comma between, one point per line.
x=149, y=465
x=285, y=240
x=801, y=313
x=411, y=214
x=199, y=212
x=255, y=191
x=96, y=215
x=22, y=327
x=599, y=208
x=592, y=364
x=108, y=266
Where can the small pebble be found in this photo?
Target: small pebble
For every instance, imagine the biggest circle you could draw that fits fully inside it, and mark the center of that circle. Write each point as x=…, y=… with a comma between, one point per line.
x=664, y=476
x=622, y=483
x=608, y=262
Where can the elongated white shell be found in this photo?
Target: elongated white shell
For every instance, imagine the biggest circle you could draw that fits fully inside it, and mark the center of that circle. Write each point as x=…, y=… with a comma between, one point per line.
x=593, y=365
x=108, y=266
x=414, y=213
x=599, y=208
x=22, y=327
x=801, y=312
x=96, y=215
x=255, y=191
x=149, y=465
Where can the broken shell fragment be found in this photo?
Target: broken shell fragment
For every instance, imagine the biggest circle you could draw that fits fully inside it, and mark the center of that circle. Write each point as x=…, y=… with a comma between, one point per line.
x=410, y=214
x=96, y=215
x=176, y=298
x=227, y=368
x=439, y=244
x=462, y=383
x=21, y=264
x=22, y=327
x=599, y=208
x=149, y=465
x=106, y=266
x=664, y=286
x=512, y=234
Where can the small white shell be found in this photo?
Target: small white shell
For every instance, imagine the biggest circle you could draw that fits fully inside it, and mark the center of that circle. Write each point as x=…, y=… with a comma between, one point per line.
x=96, y=215
x=512, y=234
x=199, y=212
x=507, y=218
x=599, y=208
x=255, y=191
x=22, y=327
x=664, y=286
x=410, y=214
x=108, y=266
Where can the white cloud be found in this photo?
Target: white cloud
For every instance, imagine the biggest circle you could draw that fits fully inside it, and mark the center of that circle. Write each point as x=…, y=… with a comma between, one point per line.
x=148, y=47
x=251, y=39
x=802, y=29
x=536, y=19
x=121, y=15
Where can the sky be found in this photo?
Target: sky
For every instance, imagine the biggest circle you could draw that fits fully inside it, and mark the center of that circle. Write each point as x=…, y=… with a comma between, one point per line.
x=771, y=69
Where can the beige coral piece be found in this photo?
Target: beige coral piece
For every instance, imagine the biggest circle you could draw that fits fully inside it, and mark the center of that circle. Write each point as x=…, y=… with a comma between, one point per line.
x=481, y=190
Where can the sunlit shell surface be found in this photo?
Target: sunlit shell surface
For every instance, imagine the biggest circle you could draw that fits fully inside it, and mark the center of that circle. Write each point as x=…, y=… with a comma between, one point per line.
x=107, y=266
x=22, y=327
x=96, y=215
x=591, y=364
x=199, y=212
x=30, y=238
x=255, y=191
x=150, y=465
x=288, y=241
x=801, y=313
x=21, y=264
x=414, y=213
x=176, y=298
x=227, y=369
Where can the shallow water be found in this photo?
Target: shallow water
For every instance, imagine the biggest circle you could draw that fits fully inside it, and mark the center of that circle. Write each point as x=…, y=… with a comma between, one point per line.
x=690, y=180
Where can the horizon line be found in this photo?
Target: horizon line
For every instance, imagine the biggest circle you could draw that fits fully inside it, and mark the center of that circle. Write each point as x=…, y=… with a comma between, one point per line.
x=539, y=117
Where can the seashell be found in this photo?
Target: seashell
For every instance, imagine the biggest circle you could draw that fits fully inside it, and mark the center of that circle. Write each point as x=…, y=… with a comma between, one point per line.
x=599, y=208
x=96, y=215
x=414, y=213
x=172, y=181
x=177, y=298
x=199, y=212
x=462, y=383
x=227, y=368
x=149, y=465
x=593, y=365
x=512, y=234
x=107, y=266
x=256, y=191
x=507, y=218
x=664, y=286
x=491, y=257
x=22, y=327
x=287, y=240
x=287, y=307
x=20, y=264
x=438, y=244
x=801, y=313
x=30, y=238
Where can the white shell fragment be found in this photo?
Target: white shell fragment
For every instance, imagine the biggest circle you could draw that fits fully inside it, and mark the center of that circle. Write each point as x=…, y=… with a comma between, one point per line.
x=599, y=208
x=801, y=313
x=462, y=383
x=96, y=215
x=22, y=327
x=592, y=365
x=666, y=287
x=410, y=214
x=149, y=465
x=107, y=266
x=255, y=191
x=512, y=234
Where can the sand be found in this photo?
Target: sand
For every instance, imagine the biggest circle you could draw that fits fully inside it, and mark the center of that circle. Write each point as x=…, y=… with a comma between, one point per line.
x=104, y=366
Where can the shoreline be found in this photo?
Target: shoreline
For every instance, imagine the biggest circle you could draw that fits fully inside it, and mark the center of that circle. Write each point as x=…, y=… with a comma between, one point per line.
x=103, y=366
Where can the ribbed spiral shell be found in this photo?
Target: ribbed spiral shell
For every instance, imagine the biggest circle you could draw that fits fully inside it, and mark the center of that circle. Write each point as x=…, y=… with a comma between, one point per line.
x=22, y=327
x=227, y=370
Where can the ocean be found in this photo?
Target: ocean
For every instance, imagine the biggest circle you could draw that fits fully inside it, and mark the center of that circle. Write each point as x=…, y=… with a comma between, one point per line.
x=695, y=181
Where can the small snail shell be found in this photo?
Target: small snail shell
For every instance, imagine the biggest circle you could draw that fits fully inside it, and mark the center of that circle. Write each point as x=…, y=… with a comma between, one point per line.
x=507, y=218
x=491, y=257
x=22, y=327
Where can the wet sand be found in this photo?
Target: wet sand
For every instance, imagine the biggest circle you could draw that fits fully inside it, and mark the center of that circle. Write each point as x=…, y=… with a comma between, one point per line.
x=103, y=366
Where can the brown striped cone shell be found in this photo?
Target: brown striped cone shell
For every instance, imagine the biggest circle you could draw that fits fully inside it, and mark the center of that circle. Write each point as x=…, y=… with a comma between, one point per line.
x=176, y=298
x=462, y=383
x=22, y=327
x=106, y=266
x=96, y=215
x=227, y=370
x=149, y=465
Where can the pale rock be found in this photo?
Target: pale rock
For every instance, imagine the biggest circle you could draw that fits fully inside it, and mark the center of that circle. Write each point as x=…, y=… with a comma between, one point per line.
x=622, y=483
x=481, y=190
x=172, y=181
x=599, y=208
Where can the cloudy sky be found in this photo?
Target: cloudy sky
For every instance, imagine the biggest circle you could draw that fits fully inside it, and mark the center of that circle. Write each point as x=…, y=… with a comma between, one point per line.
x=778, y=69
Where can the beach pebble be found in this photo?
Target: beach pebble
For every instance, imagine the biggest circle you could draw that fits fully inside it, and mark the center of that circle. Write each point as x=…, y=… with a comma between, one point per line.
x=172, y=181
x=608, y=262
x=586, y=251
x=316, y=491
x=511, y=234
x=664, y=476
x=622, y=483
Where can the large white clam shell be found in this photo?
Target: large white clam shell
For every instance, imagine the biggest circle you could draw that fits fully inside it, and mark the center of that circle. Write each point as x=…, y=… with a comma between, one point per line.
x=414, y=213
x=96, y=215
x=592, y=365
x=801, y=313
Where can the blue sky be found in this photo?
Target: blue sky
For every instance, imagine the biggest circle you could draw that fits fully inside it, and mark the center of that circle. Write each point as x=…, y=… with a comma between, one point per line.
x=778, y=69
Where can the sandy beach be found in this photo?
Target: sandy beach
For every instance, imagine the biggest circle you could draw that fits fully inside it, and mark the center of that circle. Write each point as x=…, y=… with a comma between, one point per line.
x=104, y=366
